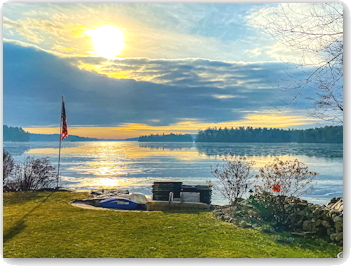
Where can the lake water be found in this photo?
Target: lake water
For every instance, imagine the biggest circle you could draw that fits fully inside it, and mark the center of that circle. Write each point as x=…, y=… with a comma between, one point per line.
x=135, y=166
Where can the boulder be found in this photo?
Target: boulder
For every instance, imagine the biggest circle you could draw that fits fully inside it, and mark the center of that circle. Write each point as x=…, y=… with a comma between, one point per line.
x=308, y=226
x=333, y=237
x=302, y=205
x=244, y=224
x=339, y=236
x=339, y=226
x=330, y=231
x=326, y=224
x=338, y=219
x=335, y=204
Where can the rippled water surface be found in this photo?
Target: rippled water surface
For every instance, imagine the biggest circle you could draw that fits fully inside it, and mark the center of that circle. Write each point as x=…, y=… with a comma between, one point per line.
x=135, y=166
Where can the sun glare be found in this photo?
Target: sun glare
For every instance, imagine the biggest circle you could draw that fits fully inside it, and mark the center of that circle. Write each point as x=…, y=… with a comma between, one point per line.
x=107, y=182
x=107, y=40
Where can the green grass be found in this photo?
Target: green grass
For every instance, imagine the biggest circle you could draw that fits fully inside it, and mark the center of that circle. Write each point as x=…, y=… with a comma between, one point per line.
x=44, y=225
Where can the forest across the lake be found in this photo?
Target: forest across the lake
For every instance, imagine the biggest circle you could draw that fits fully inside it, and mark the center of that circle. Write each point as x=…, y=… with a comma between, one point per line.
x=327, y=134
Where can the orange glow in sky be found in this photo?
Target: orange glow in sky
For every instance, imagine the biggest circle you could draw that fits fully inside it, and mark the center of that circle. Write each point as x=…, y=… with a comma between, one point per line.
x=131, y=130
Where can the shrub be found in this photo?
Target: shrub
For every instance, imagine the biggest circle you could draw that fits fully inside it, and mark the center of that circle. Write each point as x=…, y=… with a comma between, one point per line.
x=278, y=180
x=8, y=165
x=288, y=178
x=234, y=177
x=33, y=174
x=271, y=209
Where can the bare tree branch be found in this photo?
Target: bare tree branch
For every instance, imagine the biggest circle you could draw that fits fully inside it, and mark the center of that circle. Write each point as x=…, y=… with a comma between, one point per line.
x=318, y=35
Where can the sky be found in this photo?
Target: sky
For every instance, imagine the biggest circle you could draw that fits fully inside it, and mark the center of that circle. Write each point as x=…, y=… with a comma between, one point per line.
x=130, y=69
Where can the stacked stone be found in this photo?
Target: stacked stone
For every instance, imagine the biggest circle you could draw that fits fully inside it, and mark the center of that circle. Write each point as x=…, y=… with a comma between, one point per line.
x=301, y=218
x=335, y=217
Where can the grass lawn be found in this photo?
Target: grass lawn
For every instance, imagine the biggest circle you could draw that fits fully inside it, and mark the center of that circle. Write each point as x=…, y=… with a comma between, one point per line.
x=44, y=225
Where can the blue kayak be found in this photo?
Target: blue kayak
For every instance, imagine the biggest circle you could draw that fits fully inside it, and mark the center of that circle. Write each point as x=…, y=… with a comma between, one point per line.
x=125, y=202
x=118, y=203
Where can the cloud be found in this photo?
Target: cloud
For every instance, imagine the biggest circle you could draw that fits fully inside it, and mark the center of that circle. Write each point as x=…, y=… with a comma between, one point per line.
x=35, y=80
x=191, y=72
x=225, y=96
x=160, y=30
x=53, y=36
x=300, y=30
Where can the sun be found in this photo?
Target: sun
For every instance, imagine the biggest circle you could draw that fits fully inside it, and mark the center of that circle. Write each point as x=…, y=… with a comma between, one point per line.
x=107, y=40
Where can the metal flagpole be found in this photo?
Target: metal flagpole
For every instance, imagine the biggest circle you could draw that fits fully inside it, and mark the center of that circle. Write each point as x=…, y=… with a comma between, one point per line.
x=61, y=122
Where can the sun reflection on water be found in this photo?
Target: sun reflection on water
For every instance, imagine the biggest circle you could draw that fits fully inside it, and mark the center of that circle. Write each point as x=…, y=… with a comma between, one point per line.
x=135, y=166
x=107, y=182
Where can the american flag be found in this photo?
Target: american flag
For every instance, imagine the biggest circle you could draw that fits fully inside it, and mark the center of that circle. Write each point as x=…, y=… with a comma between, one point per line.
x=64, y=131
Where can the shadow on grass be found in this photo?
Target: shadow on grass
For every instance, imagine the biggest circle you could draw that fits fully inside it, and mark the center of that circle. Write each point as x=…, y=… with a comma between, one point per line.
x=15, y=198
x=186, y=211
x=20, y=224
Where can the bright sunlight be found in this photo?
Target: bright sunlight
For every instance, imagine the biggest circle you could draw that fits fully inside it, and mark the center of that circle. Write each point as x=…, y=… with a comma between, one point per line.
x=107, y=40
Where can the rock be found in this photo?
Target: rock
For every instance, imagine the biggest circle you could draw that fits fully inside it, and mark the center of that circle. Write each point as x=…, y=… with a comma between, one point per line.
x=308, y=226
x=302, y=205
x=243, y=224
x=339, y=236
x=298, y=215
x=339, y=226
x=330, y=231
x=318, y=222
x=299, y=223
x=334, y=213
x=333, y=201
x=338, y=219
x=301, y=213
x=298, y=234
x=335, y=204
x=338, y=206
x=333, y=237
x=325, y=215
x=325, y=224
x=268, y=230
x=249, y=206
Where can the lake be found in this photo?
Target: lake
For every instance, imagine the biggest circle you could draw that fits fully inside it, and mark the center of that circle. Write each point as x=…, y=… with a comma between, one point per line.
x=135, y=166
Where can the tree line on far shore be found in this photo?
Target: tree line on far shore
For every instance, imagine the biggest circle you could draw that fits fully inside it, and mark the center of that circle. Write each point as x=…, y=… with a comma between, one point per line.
x=327, y=134
x=166, y=138
x=15, y=134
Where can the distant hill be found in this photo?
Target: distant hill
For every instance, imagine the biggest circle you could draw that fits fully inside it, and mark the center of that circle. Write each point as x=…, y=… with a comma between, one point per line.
x=132, y=139
x=55, y=137
x=17, y=134
x=127, y=139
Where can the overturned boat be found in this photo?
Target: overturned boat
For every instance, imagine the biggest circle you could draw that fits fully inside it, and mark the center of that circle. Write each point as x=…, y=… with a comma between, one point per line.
x=133, y=201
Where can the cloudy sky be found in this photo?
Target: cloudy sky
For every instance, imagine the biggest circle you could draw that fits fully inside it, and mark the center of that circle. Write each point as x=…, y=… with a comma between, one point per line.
x=135, y=68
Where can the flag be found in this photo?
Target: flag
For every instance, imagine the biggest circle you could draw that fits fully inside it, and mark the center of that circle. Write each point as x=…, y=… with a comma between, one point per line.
x=64, y=131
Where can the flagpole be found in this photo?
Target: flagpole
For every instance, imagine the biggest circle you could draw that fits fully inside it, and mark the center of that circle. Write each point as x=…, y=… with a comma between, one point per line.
x=61, y=122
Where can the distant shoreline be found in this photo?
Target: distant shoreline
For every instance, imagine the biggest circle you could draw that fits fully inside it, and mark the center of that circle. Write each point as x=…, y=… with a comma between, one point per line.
x=214, y=142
